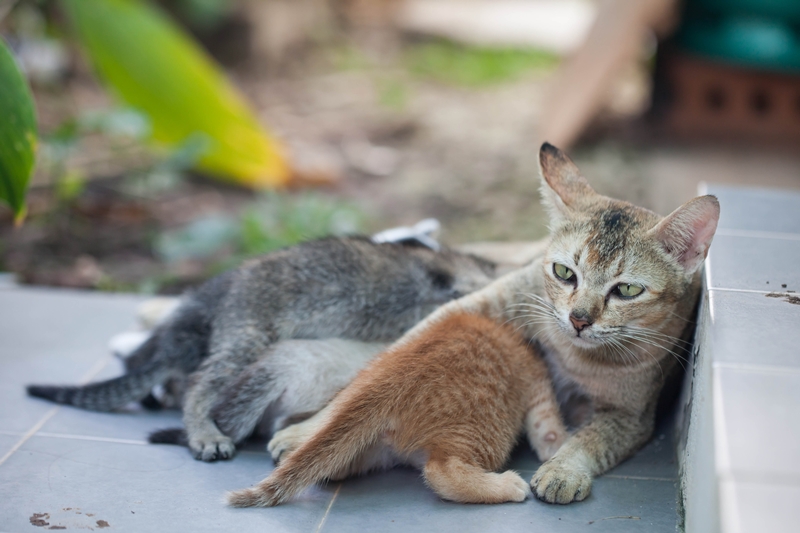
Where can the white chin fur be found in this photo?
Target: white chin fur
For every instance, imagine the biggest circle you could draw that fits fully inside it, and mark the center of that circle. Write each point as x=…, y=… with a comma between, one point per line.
x=582, y=342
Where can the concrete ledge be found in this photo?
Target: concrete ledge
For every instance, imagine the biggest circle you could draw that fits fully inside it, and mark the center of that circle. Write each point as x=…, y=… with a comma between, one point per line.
x=739, y=446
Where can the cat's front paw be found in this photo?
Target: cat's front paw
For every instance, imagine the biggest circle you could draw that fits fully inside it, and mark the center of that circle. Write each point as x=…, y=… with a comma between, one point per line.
x=212, y=447
x=286, y=441
x=555, y=482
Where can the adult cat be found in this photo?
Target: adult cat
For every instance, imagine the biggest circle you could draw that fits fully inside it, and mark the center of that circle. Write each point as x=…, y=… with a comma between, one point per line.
x=608, y=303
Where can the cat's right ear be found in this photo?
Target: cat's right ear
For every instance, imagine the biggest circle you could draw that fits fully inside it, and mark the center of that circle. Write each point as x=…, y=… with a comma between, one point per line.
x=686, y=233
x=563, y=187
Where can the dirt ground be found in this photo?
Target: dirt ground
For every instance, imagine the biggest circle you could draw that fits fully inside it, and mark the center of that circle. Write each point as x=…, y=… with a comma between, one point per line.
x=401, y=146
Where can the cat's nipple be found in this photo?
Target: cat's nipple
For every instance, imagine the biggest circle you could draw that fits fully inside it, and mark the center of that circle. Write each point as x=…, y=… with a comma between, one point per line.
x=550, y=437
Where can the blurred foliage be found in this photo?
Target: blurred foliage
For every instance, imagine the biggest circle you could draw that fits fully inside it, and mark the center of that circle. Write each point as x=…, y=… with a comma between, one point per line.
x=474, y=66
x=275, y=221
x=153, y=66
x=17, y=133
x=393, y=93
x=280, y=220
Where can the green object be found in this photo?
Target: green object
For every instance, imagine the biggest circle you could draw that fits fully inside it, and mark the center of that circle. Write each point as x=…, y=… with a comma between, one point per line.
x=17, y=133
x=156, y=68
x=472, y=66
x=763, y=34
x=760, y=43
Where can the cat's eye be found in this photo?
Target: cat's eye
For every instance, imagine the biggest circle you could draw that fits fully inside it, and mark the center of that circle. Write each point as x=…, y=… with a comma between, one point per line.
x=563, y=272
x=628, y=290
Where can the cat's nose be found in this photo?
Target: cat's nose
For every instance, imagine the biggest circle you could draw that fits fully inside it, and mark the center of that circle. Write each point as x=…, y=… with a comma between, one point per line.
x=580, y=321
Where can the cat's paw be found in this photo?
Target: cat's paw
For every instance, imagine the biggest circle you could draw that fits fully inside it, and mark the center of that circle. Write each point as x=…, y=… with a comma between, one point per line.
x=286, y=441
x=212, y=447
x=516, y=488
x=547, y=440
x=556, y=482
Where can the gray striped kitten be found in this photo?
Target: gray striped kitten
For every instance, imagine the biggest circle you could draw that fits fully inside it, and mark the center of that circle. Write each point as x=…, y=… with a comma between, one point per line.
x=349, y=288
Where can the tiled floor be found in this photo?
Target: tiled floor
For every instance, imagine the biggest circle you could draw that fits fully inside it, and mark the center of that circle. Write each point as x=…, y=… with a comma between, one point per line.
x=82, y=470
x=754, y=349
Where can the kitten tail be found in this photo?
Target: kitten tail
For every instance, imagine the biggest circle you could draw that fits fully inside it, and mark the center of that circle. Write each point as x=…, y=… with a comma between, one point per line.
x=328, y=453
x=106, y=395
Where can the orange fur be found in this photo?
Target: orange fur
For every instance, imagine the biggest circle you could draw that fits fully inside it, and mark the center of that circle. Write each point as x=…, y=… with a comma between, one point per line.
x=457, y=396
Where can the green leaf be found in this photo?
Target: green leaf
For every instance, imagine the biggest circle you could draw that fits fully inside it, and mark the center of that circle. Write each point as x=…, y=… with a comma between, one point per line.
x=17, y=133
x=154, y=67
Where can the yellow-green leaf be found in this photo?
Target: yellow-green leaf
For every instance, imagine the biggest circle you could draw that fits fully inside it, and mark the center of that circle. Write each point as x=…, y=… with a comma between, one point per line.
x=17, y=133
x=153, y=66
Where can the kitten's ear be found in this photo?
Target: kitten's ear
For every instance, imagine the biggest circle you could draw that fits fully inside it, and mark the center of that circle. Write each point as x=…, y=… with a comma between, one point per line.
x=686, y=233
x=563, y=187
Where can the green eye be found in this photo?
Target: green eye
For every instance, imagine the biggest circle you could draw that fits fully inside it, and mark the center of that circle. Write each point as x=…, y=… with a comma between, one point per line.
x=563, y=272
x=629, y=290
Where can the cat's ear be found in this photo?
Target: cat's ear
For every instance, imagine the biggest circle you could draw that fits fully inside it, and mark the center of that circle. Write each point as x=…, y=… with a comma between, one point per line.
x=686, y=233
x=563, y=187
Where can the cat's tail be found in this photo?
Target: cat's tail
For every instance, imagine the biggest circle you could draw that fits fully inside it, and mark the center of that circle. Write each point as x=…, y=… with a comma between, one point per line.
x=176, y=436
x=111, y=394
x=330, y=451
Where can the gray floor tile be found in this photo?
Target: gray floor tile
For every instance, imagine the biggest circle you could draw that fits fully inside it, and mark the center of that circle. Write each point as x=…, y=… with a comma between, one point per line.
x=751, y=328
x=753, y=209
x=656, y=460
x=757, y=508
x=399, y=501
x=139, y=488
x=133, y=425
x=18, y=412
x=749, y=263
x=761, y=422
x=57, y=336
x=7, y=442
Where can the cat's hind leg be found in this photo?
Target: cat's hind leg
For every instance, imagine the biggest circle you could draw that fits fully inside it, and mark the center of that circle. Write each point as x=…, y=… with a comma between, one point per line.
x=454, y=479
x=234, y=347
x=544, y=426
x=238, y=412
x=290, y=438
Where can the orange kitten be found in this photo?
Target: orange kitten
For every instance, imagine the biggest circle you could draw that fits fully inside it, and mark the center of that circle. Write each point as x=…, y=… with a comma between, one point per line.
x=451, y=402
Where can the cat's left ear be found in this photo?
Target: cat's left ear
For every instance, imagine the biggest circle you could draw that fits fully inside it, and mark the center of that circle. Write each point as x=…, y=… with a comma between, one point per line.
x=686, y=233
x=563, y=188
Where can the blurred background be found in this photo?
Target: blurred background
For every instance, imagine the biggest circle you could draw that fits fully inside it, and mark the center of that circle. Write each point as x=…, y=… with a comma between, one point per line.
x=171, y=139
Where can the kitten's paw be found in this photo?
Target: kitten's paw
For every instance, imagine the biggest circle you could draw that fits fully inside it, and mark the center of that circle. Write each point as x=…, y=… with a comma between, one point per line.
x=212, y=448
x=286, y=441
x=516, y=488
x=555, y=482
x=547, y=440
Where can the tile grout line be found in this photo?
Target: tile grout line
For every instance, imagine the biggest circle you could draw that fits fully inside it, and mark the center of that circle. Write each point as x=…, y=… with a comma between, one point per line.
x=752, y=367
x=31, y=432
x=36, y=427
x=328, y=510
x=751, y=291
x=90, y=438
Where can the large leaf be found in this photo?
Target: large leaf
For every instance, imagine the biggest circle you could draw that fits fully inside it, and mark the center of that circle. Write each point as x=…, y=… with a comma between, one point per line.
x=155, y=67
x=17, y=133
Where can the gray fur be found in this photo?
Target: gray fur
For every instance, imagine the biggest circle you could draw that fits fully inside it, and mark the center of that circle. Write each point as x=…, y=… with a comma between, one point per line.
x=351, y=288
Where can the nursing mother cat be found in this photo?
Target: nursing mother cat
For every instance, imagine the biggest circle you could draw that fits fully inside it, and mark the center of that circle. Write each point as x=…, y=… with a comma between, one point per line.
x=607, y=304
